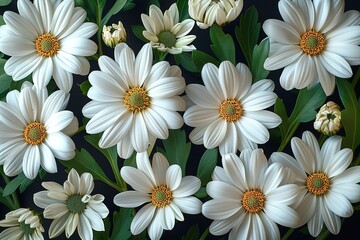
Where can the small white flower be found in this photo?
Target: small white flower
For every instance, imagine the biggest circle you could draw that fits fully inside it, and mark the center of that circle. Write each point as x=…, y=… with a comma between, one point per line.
x=328, y=119
x=229, y=111
x=134, y=101
x=250, y=197
x=114, y=34
x=72, y=207
x=47, y=39
x=316, y=42
x=34, y=131
x=165, y=32
x=164, y=191
x=327, y=187
x=22, y=224
x=208, y=12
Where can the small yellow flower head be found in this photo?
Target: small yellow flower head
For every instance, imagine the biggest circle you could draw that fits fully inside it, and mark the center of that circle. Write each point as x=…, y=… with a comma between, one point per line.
x=328, y=119
x=114, y=34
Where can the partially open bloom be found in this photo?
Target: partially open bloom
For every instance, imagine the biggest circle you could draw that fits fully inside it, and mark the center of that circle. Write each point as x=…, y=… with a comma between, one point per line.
x=47, y=40
x=22, y=224
x=250, y=197
x=114, y=34
x=229, y=111
x=327, y=185
x=163, y=190
x=328, y=119
x=208, y=12
x=316, y=43
x=165, y=32
x=72, y=207
x=133, y=101
x=35, y=130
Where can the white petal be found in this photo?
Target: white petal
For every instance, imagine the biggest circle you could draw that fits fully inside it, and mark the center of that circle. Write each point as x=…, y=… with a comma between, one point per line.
x=303, y=154
x=339, y=162
x=266, y=118
x=282, y=215
x=28, y=104
x=200, y=96
x=139, y=134
x=218, y=189
x=143, y=63
x=258, y=101
x=155, y=124
x=215, y=133
x=197, y=116
x=188, y=186
x=188, y=205
x=31, y=162
x=131, y=199
x=142, y=219
x=84, y=228
x=338, y=204
x=61, y=145
x=47, y=159
x=173, y=177
x=46, y=11
x=62, y=16
x=253, y=130
x=58, y=225
x=219, y=209
x=58, y=121
x=95, y=220
x=284, y=56
x=63, y=79
x=209, y=74
x=235, y=171
x=326, y=79
x=78, y=17
x=281, y=32
x=79, y=46
x=336, y=64
x=136, y=179
x=332, y=221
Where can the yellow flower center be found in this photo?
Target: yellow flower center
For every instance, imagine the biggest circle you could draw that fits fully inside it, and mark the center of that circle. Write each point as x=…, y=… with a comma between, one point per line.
x=136, y=99
x=318, y=183
x=231, y=110
x=47, y=45
x=312, y=42
x=167, y=38
x=253, y=201
x=161, y=196
x=35, y=133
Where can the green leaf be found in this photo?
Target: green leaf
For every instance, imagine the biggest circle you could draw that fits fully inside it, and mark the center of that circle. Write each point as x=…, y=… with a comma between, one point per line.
x=183, y=9
x=118, y=5
x=85, y=86
x=1, y=20
x=350, y=116
x=138, y=30
x=247, y=33
x=176, y=149
x=131, y=161
x=5, y=200
x=128, y=6
x=201, y=58
x=259, y=55
x=14, y=184
x=4, y=2
x=5, y=80
x=121, y=224
x=186, y=61
x=201, y=193
x=279, y=109
x=206, y=166
x=154, y=2
x=222, y=44
x=192, y=234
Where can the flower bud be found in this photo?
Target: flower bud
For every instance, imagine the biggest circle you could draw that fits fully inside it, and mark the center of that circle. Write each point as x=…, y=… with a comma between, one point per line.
x=114, y=34
x=328, y=119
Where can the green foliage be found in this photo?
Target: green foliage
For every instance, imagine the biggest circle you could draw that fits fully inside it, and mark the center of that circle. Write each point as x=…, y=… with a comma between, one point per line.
x=1, y=20
x=259, y=56
x=131, y=161
x=206, y=166
x=129, y=5
x=201, y=58
x=117, y=7
x=15, y=183
x=138, y=30
x=222, y=44
x=5, y=80
x=279, y=109
x=154, y=2
x=247, y=33
x=121, y=224
x=183, y=9
x=109, y=153
x=192, y=234
x=4, y=2
x=184, y=59
x=350, y=116
x=85, y=86
x=201, y=193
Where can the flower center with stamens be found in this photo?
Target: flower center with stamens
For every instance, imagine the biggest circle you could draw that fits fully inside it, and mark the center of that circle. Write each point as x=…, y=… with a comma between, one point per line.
x=253, y=201
x=47, y=45
x=161, y=196
x=312, y=42
x=26, y=229
x=35, y=133
x=167, y=38
x=231, y=110
x=318, y=183
x=74, y=203
x=136, y=99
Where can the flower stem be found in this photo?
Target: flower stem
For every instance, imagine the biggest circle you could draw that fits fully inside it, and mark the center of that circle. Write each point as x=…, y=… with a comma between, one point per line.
x=288, y=233
x=356, y=78
x=99, y=32
x=80, y=129
x=291, y=131
x=205, y=234
x=119, y=180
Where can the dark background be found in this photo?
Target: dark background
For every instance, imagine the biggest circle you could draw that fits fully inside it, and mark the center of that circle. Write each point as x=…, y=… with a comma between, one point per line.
x=267, y=9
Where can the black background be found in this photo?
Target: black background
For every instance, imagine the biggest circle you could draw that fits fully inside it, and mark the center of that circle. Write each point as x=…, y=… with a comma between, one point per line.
x=267, y=9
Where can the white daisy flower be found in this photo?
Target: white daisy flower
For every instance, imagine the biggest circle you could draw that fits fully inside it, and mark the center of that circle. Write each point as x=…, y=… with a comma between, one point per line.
x=249, y=198
x=22, y=224
x=165, y=32
x=134, y=101
x=327, y=187
x=229, y=111
x=47, y=40
x=208, y=12
x=34, y=131
x=162, y=188
x=316, y=43
x=72, y=207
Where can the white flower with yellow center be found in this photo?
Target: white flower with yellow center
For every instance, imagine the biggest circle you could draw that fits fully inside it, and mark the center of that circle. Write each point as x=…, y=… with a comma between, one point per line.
x=249, y=198
x=327, y=187
x=72, y=207
x=47, y=41
x=316, y=43
x=229, y=111
x=22, y=224
x=162, y=188
x=34, y=131
x=208, y=12
x=133, y=101
x=165, y=32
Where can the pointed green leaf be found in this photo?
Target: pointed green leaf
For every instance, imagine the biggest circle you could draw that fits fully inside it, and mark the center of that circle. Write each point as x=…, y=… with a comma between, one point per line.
x=5, y=80
x=279, y=109
x=184, y=59
x=206, y=166
x=118, y=5
x=138, y=32
x=192, y=234
x=222, y=44
x=183, y=9
x=260, y=53
x=5, y=2
x=201, y=58
x=121, y=224
x=85, y=86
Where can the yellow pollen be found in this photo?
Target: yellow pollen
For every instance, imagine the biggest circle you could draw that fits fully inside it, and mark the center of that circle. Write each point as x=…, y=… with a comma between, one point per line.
x=231, y=110
x=136, y=99
x=47, y=45
x=161, y=196
x=312, y=43
x=318, y=183
x=35, y=133
x=253, y=201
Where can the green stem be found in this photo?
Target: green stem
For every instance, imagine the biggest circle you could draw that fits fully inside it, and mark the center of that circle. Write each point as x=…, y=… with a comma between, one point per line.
x=119, y=180
x=99, y=33
x=290, y=133
x=205, y=234
x=356, y=78
x=80, y=129
x=14, y=202
x=288, y=233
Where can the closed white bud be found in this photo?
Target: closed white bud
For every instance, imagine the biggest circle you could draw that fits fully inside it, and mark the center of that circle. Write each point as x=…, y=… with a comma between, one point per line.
x=114, y=34
x=328, y=119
